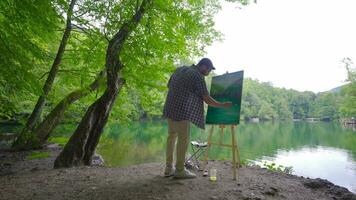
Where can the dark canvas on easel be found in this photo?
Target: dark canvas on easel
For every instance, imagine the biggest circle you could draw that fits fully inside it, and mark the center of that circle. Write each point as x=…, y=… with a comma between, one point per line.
x=226, y=87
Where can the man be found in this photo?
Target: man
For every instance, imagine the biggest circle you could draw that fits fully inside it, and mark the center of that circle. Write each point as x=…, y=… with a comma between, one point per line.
x=184, y=105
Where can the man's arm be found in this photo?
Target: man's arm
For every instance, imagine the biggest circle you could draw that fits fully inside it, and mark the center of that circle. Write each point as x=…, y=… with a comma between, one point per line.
x=212, y=102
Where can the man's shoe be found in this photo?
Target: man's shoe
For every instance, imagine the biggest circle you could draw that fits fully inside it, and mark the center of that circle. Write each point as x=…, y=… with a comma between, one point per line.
x=169, y=171
x=184, y=174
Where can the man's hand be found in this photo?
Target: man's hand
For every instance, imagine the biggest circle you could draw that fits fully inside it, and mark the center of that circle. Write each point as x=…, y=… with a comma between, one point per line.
x=212, y=102
x=226, y=104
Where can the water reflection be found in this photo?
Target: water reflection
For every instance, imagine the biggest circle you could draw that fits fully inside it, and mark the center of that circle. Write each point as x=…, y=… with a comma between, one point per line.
x=134, y=144
x=324, y=150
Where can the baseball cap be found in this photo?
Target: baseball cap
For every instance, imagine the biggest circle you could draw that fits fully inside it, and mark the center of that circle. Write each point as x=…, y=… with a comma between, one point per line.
x=206, y=62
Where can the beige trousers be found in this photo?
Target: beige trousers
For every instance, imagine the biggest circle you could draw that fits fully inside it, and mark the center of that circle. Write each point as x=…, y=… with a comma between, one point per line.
x=180, y=130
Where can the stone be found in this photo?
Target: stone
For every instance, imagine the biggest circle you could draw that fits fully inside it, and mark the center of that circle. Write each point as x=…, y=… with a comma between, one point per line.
x=97, y=160
x=317, y=183
x=213, y=198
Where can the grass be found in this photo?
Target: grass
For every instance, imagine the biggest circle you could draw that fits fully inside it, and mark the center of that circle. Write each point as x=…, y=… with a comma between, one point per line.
x=61, y=141
x=38, y=155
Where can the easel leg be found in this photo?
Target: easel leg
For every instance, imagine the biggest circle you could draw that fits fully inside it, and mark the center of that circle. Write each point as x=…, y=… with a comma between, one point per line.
x=221, y=133
x=238, y=161
x=207, y=148
x=238, y=155
x=234, y=151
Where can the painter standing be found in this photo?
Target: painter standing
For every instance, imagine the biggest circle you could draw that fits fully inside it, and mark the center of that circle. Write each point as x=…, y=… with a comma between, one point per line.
x=184, y=105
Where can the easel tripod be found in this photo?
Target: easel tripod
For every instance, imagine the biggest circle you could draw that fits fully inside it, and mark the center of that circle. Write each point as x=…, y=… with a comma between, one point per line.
x=235, y=151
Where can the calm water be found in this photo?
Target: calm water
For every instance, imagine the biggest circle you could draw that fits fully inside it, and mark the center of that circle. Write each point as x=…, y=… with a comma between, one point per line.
x=316, y=150
x=324, y=150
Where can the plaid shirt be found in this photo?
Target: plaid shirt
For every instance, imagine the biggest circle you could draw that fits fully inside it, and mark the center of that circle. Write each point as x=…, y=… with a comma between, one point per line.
x=185, y=96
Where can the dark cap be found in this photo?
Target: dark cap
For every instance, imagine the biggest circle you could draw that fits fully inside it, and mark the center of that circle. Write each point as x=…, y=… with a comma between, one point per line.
x=207, y=62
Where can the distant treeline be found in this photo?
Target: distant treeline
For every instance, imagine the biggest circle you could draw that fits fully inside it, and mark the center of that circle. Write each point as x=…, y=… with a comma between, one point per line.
x=266, y=102
x=262, y=100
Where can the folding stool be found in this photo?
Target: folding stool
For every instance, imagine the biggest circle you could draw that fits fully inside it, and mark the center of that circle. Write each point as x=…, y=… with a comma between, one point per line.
x=198, y=149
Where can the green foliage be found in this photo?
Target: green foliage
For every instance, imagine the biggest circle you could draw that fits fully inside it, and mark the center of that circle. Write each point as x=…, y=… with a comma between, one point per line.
x=348, y=108
x=38, y=155
x=170, y=32
x=264, y=101
x=276, y=168
x=244, y=162
x=26, y=34
x=26, y=39
x=7, y=107
x=326, y=104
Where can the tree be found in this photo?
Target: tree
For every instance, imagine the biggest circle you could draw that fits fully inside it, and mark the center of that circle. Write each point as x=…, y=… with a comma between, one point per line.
x=251, y=102
x=26, y=139
x=282, y=109
x=348, y=107
x=83, y=50
x=88, y=133
x=169, y=31
x=266, y=112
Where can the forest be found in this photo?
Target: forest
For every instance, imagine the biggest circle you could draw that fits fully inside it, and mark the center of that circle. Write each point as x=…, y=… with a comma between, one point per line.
x=82, y=89
x=91, y=62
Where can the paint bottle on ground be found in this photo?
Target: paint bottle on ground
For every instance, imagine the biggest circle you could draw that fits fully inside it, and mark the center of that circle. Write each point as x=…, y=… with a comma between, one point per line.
x=212, y=173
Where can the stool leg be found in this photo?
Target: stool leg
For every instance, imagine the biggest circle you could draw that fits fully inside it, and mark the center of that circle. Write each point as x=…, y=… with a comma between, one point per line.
x=199, y=152
x=233, y=151
x=207, y=148
x=191, y=157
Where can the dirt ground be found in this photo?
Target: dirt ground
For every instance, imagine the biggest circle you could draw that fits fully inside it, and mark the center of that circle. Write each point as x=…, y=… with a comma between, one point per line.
x=35, y=179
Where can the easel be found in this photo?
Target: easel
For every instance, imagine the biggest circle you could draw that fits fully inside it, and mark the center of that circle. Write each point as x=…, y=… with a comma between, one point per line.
x=233, y=146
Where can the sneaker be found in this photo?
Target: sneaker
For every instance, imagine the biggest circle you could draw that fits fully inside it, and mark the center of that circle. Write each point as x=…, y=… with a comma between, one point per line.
x=169, y=171
x=184, y=174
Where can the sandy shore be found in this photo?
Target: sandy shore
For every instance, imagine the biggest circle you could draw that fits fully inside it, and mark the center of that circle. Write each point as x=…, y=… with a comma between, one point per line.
x=35, y=179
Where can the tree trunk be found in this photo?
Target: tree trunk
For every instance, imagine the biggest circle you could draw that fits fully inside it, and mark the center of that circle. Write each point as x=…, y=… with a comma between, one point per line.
x=26, y=139
x=43, y=130
x=81, y=146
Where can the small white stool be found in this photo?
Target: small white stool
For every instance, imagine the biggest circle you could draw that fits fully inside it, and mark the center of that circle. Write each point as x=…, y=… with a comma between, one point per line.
x=198, y=149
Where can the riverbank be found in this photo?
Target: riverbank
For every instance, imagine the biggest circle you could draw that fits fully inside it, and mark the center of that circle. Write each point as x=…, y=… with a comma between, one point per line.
x=21, y=178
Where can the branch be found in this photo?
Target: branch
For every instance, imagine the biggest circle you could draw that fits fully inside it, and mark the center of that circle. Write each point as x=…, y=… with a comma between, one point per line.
x=89, y=32
x=84, y=30
x=137, y=5
x=106, y=21
x=112, y=62
x=80, y=15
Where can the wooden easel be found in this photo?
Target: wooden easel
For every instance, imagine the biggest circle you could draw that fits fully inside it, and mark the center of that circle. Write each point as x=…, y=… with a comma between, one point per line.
x=233, y=146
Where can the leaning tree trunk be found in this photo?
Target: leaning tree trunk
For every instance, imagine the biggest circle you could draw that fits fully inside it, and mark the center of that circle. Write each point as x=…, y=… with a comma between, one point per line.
x=26, y=139
x=81, y=146
x=43, y=130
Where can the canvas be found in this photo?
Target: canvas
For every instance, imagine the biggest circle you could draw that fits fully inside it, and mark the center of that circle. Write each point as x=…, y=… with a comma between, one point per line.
x=226, y=87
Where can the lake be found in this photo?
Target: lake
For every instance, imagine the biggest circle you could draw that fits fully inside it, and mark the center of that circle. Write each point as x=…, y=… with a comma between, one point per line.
x=315, y=150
